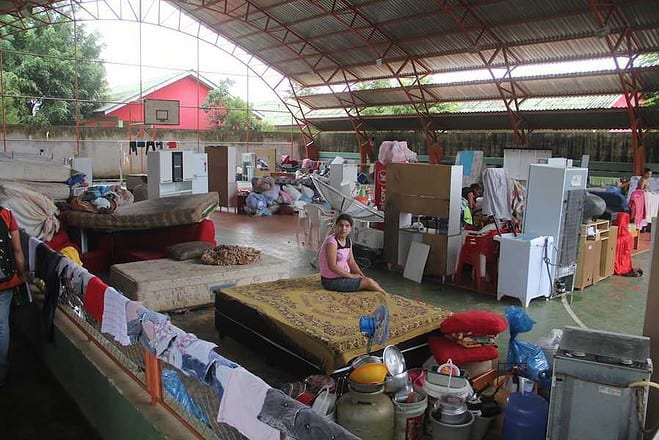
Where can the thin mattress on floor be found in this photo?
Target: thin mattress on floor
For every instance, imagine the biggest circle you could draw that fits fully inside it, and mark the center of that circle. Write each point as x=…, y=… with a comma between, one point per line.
x=323, y=324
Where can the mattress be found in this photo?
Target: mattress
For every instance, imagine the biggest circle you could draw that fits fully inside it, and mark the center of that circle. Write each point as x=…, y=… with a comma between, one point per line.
x=167, y=284
x=35, y=169
x=317, y=325
x=149, y=214
x=58, y=192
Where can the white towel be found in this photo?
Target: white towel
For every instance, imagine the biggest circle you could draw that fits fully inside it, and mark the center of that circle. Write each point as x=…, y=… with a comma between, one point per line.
x=243, y=398
x=114, y=316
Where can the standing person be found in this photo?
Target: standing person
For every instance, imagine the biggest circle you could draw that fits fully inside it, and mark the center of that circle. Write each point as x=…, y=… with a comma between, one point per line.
x=13, y=264
x=338, y=269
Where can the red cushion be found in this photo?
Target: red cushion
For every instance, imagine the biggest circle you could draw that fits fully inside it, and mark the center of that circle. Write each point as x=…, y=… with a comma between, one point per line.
x=442, y=350
x=476, y=322
x=61, y=240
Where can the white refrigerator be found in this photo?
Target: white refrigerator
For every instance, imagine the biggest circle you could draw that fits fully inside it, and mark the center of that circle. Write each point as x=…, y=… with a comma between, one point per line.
x=199, y=173
x=523, y=272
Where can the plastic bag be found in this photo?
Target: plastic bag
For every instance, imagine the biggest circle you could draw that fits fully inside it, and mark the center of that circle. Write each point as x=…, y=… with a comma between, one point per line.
x=526, y=355
x=172, y=384
x=395, y=151
x=324, y=403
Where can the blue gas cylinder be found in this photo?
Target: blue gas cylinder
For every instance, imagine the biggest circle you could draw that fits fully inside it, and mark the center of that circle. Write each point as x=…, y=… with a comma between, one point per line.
x=525, y=417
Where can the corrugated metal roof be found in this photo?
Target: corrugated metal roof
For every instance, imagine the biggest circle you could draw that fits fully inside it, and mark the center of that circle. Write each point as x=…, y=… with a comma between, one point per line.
x=558, y=85
x=320, y=42
x=602, y=119
x=354, y=35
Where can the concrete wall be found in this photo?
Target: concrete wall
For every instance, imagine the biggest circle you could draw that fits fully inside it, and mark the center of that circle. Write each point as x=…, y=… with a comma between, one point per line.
x=602, y=146
x=110, y=400
x=109, y=147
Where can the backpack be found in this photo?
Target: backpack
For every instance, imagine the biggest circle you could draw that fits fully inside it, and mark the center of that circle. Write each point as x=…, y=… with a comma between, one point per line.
x=7, y=259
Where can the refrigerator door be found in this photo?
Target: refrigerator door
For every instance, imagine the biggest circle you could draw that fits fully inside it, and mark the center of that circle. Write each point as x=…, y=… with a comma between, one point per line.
x=200, y=185
x=200, y=165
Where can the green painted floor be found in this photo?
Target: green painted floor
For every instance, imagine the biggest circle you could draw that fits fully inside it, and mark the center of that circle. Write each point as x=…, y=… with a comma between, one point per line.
x=616, y=304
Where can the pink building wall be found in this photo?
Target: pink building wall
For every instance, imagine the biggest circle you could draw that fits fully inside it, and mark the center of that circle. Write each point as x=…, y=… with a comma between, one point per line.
x=183, y=90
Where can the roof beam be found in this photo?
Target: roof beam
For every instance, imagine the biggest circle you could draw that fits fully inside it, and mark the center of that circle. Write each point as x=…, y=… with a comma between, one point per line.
x=364, y=29
x=465, y=18
x=608, y=15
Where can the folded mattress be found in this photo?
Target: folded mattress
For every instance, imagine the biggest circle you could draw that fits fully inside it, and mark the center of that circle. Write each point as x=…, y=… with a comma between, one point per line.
x=33, y=169
x=148, y=214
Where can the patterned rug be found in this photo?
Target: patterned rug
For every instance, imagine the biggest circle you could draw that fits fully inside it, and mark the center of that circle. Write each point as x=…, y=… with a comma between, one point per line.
x=326, y=323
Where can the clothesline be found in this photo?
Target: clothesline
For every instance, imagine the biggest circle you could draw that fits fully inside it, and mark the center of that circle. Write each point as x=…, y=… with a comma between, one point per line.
x=246, y=401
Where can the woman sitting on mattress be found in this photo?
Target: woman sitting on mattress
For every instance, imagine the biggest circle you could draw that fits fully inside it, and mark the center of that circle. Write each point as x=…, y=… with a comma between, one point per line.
x=338, y=269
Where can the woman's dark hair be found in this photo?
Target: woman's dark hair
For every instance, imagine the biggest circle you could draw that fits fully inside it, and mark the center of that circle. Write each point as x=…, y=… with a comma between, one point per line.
x=647, y=170
x=345, y=217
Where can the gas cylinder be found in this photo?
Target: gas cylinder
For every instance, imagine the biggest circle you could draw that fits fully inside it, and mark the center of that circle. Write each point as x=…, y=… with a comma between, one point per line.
x=368, y=415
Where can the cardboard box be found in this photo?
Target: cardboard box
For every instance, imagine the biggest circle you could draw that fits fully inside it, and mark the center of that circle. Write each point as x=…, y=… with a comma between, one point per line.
x=266, y=161
x=369, y=237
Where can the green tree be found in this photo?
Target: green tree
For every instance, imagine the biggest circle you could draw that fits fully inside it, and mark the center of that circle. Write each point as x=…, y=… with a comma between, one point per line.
x=652, y=59
x=40, y=67
x=230, y=114
x=438, y=107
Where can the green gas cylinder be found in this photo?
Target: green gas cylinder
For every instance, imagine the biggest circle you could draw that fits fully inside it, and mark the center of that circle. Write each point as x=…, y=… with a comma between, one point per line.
x=368, y=415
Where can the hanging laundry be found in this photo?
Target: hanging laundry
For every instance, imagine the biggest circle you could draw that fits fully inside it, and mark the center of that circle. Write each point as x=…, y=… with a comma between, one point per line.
x=651, y=205
x=46, y=269
x=95, y=298
x=243, y=399
x=298, y=421
x=157, y=331
x=496, y=194
x=114, y=316
x=637, y=208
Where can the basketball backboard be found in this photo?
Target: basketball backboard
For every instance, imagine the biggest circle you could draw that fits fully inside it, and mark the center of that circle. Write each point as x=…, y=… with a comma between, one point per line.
x=161, y=112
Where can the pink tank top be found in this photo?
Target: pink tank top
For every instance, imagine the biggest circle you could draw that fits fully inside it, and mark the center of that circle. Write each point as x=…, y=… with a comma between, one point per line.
x=342, y=255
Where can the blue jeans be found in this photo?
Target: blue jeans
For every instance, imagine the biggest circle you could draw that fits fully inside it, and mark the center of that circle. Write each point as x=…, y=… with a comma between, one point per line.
x=5, y=306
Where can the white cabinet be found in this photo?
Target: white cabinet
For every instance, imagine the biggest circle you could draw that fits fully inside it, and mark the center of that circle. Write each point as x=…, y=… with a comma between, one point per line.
x=160, y=167
x=172, y=173
x=188, y=165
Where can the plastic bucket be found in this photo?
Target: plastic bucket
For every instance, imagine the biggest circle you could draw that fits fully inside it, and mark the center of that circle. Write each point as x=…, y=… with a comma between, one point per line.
x=408, y=417
x=444, y=431
x=480, y=427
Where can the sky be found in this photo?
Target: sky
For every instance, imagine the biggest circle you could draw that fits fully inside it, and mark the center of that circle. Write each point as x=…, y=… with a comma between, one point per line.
x=166, y=52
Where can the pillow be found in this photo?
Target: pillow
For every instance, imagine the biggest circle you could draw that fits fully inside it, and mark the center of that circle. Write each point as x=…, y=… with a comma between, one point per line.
x=442, y=350
x=475, y=322
x=188, y=250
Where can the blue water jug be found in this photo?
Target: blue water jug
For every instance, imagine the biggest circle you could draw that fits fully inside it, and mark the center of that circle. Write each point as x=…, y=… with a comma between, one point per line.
x=525, y=417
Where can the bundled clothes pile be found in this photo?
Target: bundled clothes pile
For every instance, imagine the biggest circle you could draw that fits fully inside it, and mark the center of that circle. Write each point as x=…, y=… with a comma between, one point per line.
x=230, y=255
x=269, y=195
x=101, y=199
x=467, y=338
x=267, y=414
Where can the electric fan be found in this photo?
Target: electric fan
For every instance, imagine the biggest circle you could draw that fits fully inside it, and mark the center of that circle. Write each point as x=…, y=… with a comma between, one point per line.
x=375, y=326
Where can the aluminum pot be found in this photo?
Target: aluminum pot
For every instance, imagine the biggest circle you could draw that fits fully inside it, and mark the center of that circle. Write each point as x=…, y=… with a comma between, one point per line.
x=451, y=410
x=396, y=382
